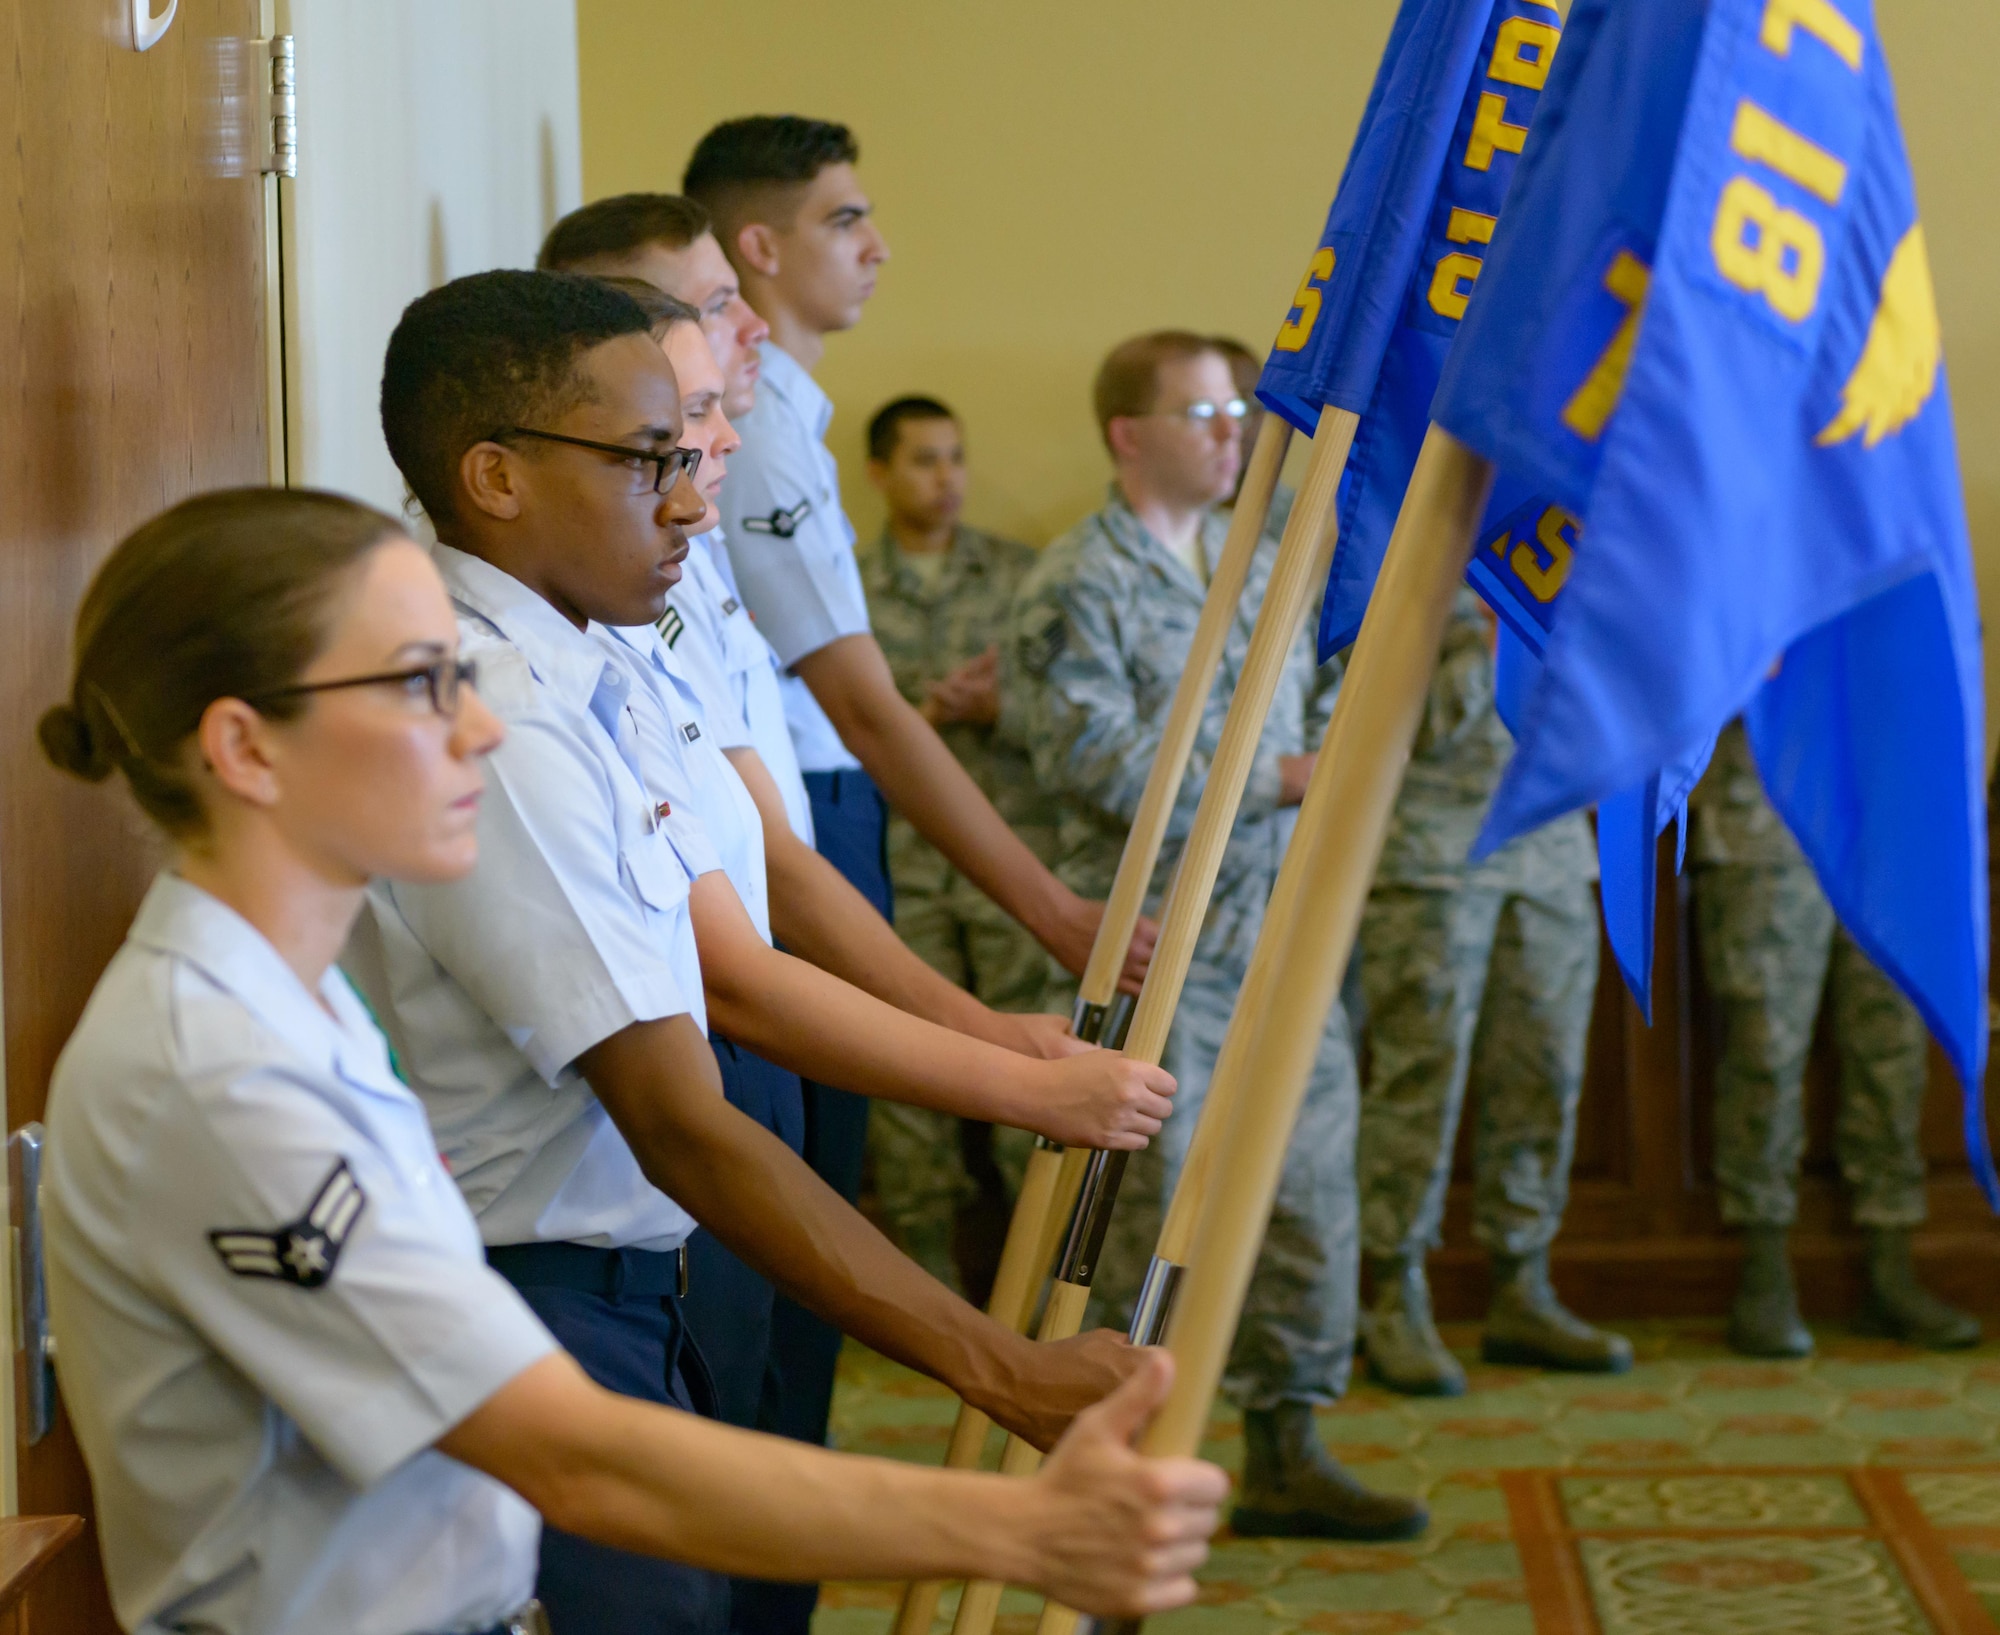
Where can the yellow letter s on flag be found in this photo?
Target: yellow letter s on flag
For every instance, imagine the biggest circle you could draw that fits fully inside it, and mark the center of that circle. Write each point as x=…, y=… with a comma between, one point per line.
x=1293, y=333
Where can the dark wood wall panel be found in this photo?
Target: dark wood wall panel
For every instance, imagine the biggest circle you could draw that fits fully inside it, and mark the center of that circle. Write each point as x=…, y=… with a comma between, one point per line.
x=1643, y=1236
x=132, y=372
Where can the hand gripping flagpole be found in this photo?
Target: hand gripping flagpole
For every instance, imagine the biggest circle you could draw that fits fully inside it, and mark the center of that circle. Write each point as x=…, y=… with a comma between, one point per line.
x=1102, y=1015
x=1299, y=571
x=1322, y=887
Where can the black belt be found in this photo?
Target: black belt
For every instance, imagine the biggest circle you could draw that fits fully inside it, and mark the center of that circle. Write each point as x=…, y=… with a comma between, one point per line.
x=610, y=1273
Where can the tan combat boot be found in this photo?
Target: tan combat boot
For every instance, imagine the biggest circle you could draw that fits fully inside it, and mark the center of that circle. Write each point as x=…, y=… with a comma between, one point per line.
x=1527, y=1325
x=1405, y=1351
x=1764, y=1318
x=1294, y=1488
x=1902, y=1308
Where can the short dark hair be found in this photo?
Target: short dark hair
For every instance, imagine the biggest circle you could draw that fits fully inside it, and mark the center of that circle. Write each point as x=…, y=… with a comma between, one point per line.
x=887, y=424
x=608, y=228
x=662, y=310
x=227, y=595
x=1128, y=380
x=764, y=160
x=1245, y=367
x=487, y=351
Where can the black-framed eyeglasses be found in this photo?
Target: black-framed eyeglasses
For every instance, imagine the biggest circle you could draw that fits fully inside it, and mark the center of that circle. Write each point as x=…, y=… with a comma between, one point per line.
x=443, y=683
x=669, y=465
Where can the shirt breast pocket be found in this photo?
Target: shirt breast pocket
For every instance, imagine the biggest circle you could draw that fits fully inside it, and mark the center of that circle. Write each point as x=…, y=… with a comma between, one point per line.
x=742, y=648
x=656, y=873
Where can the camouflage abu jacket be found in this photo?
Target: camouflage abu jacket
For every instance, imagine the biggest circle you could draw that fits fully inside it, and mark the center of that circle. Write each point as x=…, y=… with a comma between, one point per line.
x=1097, y=641
x=928, y=629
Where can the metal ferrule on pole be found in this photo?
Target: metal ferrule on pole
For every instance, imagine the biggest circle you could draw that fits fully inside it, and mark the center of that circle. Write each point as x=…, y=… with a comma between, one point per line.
x=1155, y=1304
x=1104, y=1025
x=1086, y=1020
x=1119, y=1022
x=1085, y=1244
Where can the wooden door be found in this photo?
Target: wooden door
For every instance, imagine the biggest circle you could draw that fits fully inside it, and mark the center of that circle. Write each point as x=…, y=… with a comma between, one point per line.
x=133, y=372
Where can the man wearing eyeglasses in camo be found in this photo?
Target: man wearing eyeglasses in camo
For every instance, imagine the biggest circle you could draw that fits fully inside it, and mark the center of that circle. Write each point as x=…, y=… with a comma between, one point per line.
x=1097, y=640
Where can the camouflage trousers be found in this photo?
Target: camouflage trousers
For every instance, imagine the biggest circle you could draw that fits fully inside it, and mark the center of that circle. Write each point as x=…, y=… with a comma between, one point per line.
x=920, y=1175
x=1485, y=988
x=1770, y=948
x=1296, y=1338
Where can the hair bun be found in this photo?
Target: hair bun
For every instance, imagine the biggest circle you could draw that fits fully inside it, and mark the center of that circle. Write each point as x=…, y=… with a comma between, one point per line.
x=69, y=743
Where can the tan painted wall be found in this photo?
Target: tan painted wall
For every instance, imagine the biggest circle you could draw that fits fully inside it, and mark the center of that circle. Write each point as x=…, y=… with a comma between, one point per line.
x=1053, y=177
x=1940, y=50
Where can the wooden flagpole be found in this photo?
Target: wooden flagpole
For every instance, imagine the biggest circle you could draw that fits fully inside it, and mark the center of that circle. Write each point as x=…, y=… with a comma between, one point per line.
x=1302, y=953
x=1299, y=571
x=1043, y=1209
x=1048, y=1189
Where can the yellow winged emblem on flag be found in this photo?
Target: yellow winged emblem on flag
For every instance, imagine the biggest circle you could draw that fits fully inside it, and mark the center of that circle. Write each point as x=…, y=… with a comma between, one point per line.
x=1899, y=362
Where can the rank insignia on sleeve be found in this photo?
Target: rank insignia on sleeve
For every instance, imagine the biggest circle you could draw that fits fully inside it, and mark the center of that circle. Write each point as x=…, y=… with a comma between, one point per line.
x=671, y=625
x=306, y=1251
x=780, y=522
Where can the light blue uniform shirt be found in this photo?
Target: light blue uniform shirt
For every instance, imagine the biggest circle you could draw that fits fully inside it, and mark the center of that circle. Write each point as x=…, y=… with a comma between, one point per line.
x=790, y=543
x=738, y=677
x=573, y=927
x=677, y=748
x=270, y=1302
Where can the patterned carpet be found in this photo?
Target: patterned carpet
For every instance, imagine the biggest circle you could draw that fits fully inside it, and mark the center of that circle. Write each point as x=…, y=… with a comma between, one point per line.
x=1855, y=1494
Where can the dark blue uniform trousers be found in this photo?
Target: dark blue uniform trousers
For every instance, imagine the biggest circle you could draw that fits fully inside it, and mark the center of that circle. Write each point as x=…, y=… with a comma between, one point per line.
x=851, y=828
x=728, y=1306
x=616, y=1312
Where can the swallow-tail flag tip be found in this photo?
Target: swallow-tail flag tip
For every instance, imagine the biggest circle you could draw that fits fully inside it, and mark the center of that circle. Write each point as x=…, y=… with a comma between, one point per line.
x=1757, y=436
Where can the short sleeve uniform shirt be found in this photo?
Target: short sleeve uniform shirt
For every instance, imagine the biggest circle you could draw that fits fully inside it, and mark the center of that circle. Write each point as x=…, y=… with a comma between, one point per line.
x=733, y=670
x=790, y=542
x=573, y=927
x=270, y=1302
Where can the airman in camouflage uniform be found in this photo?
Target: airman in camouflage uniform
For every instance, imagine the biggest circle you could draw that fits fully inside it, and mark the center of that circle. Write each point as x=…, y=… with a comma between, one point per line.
x=1770, y=948
x=1102, y=630
x=930, y=627
x=1483, y=972
x=1101, y=633
x=1099, y=638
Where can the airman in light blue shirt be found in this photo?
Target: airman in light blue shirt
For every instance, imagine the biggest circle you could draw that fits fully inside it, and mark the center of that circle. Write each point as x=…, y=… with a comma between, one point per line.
x=491, y=987
x=272, y=1302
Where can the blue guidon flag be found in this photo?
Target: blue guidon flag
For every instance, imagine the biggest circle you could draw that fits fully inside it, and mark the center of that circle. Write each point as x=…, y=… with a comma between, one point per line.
x=1705, y=327
x=1404, y=246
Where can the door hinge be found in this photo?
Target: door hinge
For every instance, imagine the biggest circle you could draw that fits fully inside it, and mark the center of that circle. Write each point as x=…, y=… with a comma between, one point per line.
x=278, y=111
